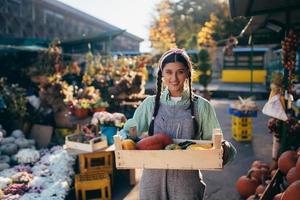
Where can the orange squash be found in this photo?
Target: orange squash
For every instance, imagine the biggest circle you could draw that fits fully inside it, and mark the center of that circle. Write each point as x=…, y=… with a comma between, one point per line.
x=278, y=196
x=246, y=185
x=166, y=139
x=128, y=144
x=298, y=164
x=286, y=161
x=292, y=192
x=293, y=175
x=150, y=143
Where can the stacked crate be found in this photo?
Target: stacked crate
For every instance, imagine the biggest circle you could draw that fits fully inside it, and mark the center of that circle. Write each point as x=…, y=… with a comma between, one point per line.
x=241, y=124
x=241, y=128
x=96, y=175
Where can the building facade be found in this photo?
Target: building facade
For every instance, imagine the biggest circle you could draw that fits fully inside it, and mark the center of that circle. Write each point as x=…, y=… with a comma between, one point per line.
x=50, y=19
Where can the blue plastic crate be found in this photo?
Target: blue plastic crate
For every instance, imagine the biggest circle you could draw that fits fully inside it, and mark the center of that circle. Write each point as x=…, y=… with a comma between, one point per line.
x=239, y=113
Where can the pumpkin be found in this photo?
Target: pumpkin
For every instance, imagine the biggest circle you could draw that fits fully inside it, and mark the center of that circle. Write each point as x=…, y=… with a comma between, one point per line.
x=9, y=149
x=287, y=160
x=253, y=197
x=298, y=164
x=31, y=142
x=293, y=175
x=292, y=192
x=261, y=188
x=17, y=134
x=278, y=196
x=273, y=172
x=8, y=140
x=22, y=143
x=4, y=133
x=4, y=159
x=128, y=144
x=246, y=185
x=259, y=164
x=260, y=173
x=4, y=166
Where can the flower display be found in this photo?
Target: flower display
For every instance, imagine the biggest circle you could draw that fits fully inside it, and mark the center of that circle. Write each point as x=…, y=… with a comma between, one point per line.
x=27, y=156
x=49, y=178
x=22, y=177
x=4, y=182
x=110, y=119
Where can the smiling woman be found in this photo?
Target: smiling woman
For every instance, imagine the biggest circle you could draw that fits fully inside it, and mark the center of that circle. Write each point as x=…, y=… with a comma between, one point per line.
x=177, y=113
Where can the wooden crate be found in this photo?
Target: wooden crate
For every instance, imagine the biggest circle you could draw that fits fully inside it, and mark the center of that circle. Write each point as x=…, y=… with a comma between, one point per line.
x=92, y=146
x=210, y=159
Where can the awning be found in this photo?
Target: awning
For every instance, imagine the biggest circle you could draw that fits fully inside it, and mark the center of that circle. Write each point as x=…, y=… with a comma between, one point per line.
x=270, y=18
x=261, y=7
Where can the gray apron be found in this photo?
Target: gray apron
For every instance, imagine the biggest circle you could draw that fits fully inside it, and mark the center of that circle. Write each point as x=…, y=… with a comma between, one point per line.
x=157, y=184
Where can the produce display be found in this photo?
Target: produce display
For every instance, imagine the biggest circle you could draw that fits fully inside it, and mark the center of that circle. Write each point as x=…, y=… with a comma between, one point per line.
x=48, y=177
x=258, y=180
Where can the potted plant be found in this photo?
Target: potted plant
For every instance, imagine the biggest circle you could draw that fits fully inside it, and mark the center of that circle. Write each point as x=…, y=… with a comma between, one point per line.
x=81, y=107
x=13, y=110
x=109, y=123
x=100, y=105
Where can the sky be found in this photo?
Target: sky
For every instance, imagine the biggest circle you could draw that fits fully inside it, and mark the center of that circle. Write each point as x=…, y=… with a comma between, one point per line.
x=133, y=15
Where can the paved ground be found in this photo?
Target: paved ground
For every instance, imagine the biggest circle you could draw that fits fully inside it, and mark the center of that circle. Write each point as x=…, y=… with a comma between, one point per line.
x=221, y=185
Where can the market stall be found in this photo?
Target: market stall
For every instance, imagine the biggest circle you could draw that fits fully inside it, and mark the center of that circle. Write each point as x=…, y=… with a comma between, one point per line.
x=276, y=23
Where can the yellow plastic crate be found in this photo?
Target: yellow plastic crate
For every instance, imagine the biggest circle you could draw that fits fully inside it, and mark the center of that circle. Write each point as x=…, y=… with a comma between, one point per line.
x=241, y=134
x=241, y=121
x=92, y=182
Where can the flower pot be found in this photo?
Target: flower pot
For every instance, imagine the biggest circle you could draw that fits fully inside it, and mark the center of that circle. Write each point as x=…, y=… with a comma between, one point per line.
x=99, y=109
x=109, y=132
x=41, y=134
x=81, y=112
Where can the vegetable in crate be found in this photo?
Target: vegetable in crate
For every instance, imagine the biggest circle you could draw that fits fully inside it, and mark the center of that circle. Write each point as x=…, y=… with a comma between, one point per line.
x=128, y=144
x=155, y=142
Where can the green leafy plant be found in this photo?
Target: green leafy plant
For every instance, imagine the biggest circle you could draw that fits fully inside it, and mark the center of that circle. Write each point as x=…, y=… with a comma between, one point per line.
x=205, y=67
x=13, y=100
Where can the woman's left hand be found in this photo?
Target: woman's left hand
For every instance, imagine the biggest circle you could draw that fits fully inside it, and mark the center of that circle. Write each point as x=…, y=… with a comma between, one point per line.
x=226, y=152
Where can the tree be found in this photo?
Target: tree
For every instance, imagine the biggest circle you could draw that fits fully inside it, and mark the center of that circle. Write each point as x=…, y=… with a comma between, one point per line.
x=162, y=36
x=204, y=66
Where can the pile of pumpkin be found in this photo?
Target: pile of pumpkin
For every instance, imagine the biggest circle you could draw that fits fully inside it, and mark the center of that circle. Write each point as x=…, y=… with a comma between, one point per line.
x=253, y=185
x=11, y=145
x=161, y=141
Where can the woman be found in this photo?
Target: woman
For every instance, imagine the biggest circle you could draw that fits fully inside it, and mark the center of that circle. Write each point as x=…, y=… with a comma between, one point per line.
x=175, y=111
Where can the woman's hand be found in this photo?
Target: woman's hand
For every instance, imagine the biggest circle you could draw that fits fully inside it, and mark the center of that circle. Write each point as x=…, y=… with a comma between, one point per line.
x=226, y=152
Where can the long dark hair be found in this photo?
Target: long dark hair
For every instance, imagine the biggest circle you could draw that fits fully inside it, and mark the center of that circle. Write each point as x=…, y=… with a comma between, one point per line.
x=171, y=57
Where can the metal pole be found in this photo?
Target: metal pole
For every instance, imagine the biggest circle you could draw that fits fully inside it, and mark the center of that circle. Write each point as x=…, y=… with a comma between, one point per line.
x=251, y=64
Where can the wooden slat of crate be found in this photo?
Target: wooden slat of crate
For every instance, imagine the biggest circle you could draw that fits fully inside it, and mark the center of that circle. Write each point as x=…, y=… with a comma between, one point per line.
x=91, y=147
x=209, y=159
x=169, y=159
